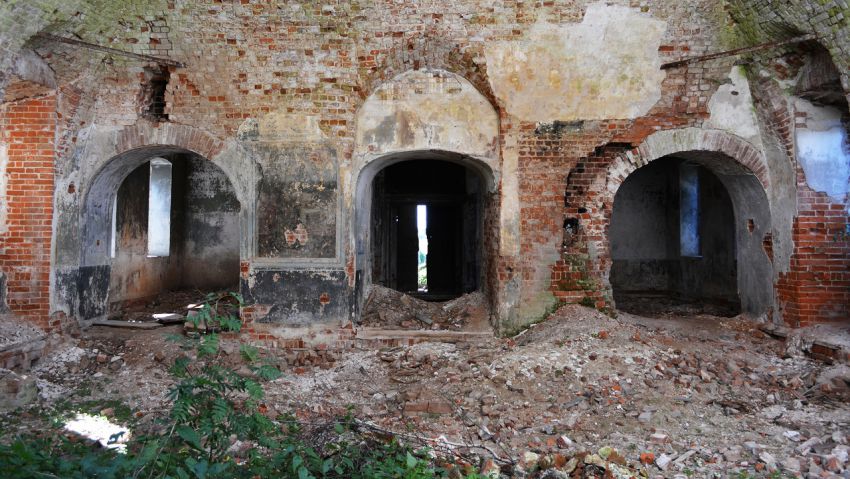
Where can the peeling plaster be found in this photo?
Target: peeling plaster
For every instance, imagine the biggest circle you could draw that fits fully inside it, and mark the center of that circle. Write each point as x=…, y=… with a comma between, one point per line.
x=427, y=110
x=732, y=109
x=509, y=241
x=823, y=149
x=589, y=71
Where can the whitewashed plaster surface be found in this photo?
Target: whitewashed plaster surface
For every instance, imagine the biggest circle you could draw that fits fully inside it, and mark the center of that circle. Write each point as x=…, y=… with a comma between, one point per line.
x=589, y=71
x=823, y=150
x=427, y=110
x=732, y=110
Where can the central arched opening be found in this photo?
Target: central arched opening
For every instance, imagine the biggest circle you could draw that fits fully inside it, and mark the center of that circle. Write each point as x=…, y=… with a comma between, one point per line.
x=426, y=232
x=690, y=234
x=426, y=229
x=164, y=226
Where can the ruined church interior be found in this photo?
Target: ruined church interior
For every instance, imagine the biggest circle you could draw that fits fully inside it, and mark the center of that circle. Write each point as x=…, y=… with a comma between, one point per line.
x=537, y=239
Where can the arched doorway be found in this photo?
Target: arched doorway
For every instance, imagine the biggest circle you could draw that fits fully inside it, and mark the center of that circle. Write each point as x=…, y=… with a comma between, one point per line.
x=161, y=220
x=436, y=118
x=426, y=229
x=690, y=233
x=456, y=194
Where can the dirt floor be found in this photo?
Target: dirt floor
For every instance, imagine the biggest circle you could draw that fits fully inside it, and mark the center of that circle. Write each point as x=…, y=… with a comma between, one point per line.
x=578, y=395
x=167, y=302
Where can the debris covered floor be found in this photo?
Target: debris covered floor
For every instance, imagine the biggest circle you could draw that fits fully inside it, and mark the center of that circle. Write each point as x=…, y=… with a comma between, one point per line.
x=696, y=396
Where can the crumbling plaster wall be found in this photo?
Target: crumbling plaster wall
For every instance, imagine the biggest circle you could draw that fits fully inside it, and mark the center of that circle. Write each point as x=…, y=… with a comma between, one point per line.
x=204, y=234
x=814, y=269
x=278, y=89
x=211, y=229
x=297, y=271
x=425, y=114
x=823, y=149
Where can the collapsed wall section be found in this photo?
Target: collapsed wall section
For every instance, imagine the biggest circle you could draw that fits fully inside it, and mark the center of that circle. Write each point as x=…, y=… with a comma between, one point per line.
x=801, y=96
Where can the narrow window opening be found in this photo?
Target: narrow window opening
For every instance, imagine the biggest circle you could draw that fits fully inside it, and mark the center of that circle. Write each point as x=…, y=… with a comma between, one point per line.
x=689, y=234
x=113, y=241
x=159, y=208
x=154, y=94
x=422, y=234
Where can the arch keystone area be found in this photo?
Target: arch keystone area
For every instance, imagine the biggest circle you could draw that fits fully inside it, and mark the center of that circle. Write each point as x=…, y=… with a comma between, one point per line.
x=669, y=142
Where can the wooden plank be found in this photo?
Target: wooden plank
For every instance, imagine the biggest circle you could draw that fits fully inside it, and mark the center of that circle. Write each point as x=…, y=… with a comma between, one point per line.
x=169, y=318
x=126, y=324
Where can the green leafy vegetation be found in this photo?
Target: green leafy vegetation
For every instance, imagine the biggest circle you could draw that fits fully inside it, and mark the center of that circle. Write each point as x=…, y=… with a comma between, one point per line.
x=217, y=428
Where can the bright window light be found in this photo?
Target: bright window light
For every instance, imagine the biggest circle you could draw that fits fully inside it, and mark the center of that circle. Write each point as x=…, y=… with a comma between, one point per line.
x=113, y=242
x=159, y=208
x=422, y=228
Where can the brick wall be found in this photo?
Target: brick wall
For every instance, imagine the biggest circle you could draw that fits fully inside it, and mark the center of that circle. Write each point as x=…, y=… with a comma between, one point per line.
x=817, y=289
x=27, y=128
x=247, y=59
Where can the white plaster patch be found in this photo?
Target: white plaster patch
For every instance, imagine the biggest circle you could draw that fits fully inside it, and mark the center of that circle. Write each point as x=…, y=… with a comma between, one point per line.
x=283, y=127
x=732, y=108
x=280, y=126
x=605, y=67
x=427, y=110
x=823, y=149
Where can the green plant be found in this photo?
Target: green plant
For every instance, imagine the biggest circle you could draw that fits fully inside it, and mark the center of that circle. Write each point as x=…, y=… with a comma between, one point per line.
x=214, y=409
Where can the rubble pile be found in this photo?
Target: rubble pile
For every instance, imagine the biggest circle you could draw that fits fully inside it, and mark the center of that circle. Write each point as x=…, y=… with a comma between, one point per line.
x=671, y=403
x=166, y=303
x=13, y=333
x=390, y=309
x=580, y=395
x=21, y=345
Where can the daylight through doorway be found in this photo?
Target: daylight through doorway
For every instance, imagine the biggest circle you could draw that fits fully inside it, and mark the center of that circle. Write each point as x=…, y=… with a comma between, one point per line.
x=426, y=226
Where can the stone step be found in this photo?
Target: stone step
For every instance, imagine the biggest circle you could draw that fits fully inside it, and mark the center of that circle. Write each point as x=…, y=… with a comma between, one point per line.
x=378, y=337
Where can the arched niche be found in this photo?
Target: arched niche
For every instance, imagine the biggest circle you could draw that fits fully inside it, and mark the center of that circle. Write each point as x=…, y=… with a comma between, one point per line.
x=686, y=233
x=481, y=187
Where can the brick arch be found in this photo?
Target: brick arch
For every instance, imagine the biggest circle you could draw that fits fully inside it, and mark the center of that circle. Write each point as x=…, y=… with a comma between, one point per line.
x=143, y=135
x=131, y=147
x=171, y=136
x=592, y=186
x=425, y=50
x=671, y=142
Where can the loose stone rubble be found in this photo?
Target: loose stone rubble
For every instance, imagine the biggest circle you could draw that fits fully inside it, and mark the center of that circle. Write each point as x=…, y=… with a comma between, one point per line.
x=388, y=308
x=579, y=395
